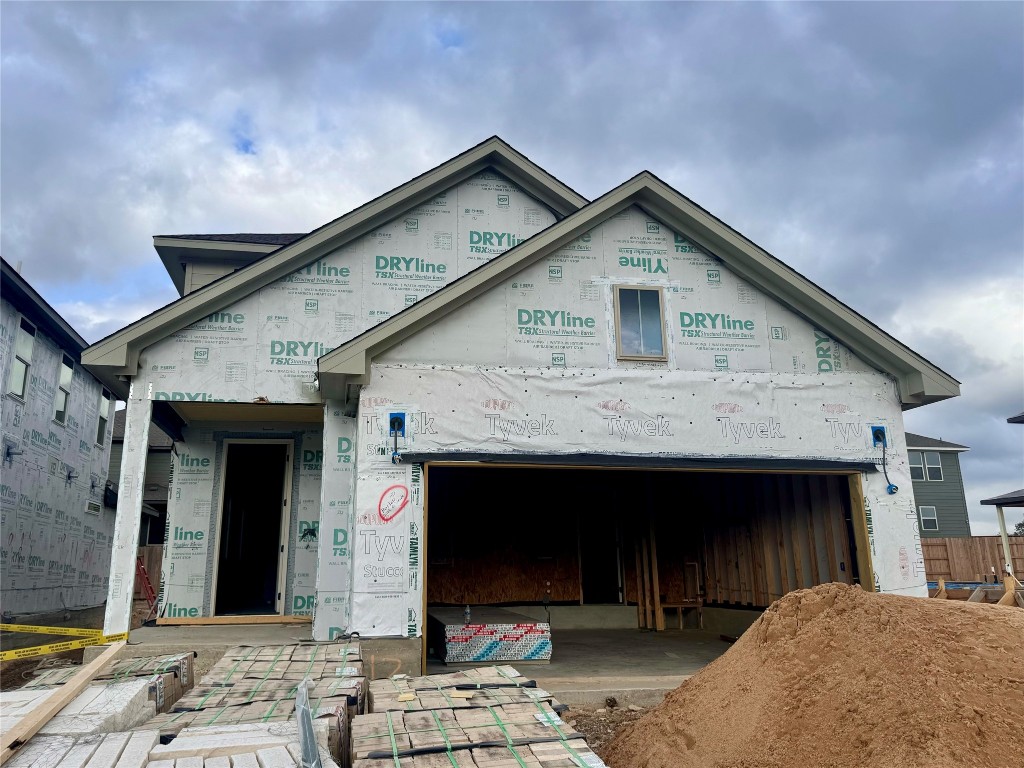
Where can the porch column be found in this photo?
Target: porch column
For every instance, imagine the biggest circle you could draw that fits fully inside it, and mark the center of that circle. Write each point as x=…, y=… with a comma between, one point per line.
x=332, y=610
x=1007, y=555
x=127, y=524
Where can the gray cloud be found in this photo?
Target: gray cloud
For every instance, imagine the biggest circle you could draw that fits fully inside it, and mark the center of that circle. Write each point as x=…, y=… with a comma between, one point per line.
x=877, y=148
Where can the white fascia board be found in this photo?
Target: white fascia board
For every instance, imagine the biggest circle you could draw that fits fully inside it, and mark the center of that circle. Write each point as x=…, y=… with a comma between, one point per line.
x=212, y=245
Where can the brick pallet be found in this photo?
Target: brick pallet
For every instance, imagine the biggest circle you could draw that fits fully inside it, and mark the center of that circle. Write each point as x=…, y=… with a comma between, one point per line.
x=574, y=753
x=241, y=714
x=495, y=718
x=180, y=664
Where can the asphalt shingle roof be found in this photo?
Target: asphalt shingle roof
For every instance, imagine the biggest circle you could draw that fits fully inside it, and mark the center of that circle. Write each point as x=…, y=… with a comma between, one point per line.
x=1011, y=499
x=920, y=441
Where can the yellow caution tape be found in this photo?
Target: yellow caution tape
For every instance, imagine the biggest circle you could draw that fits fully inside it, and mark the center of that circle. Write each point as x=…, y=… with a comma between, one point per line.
x=70, y=631
x=67, y=645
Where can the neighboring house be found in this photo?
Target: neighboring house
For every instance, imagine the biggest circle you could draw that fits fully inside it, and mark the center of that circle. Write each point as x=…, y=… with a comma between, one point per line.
x=158, y=473
x=55, y=534
x=1011, y=499
x=402, y=409
x=938, y=486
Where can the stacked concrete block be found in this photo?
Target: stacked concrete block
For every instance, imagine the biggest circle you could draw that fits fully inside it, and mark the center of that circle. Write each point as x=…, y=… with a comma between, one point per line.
x=255, y=687
x=490, y=717
x=101, y=708
x=169, y=677
x=260, y=745
x=109, y=750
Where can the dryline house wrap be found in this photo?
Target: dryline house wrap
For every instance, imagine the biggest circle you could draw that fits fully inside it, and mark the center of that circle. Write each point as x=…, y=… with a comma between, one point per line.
x=55, y=530
x=487, y=304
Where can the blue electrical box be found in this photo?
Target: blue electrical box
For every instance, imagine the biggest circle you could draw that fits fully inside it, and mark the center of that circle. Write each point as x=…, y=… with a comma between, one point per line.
x=878, y=437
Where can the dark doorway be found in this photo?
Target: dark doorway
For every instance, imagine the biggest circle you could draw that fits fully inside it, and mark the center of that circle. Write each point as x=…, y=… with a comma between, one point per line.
x=599, y=561
x=250, y=536
x=523, y=536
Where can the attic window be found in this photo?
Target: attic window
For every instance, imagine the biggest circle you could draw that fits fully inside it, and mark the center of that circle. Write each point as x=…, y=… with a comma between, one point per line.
x=639, y=324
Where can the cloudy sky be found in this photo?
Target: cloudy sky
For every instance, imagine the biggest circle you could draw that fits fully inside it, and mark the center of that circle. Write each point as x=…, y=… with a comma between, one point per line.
x=875, y=147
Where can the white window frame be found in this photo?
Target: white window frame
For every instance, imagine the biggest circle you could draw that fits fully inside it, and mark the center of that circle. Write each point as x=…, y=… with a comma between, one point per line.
x=919, y=464
x=26, y=332
x=619, y=354
x=67, y=366
x=934, y=516
x=928, y=466
x=101, y=422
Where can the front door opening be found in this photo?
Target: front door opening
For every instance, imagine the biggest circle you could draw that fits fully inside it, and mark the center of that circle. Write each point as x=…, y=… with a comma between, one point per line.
x=249, y=562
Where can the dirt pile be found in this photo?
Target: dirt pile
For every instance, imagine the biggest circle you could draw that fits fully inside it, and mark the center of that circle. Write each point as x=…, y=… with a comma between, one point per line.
x=835, y=676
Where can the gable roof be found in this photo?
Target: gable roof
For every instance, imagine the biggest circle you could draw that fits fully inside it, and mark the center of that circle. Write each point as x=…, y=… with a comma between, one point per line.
x=919, y=380
x=239, y=249
x=16, y=289
x=27, y=301
x=921, y=441
x=118, y=354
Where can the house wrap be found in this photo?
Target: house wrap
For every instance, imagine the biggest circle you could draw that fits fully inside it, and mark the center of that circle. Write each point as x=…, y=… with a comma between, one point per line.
x=507, y=322
x=55, y=532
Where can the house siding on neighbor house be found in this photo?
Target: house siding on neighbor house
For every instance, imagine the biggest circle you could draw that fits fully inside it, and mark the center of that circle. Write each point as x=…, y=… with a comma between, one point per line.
x=946, y=495
x=55, y=533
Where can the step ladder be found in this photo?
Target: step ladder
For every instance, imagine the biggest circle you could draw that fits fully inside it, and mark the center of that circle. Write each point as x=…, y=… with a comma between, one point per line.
x=142, y=576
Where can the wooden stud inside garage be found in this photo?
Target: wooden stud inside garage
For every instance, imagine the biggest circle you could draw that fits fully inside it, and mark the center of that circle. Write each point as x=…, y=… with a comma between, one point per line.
x=710, y=538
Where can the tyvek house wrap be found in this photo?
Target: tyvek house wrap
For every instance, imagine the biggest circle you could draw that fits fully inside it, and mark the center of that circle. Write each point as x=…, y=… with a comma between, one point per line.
x=525, y=411
x=532, y=368
x=266, y=346
x=55, y=534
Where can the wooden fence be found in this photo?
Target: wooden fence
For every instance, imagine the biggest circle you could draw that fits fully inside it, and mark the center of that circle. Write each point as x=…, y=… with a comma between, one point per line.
x=970, y=558
x=152, y=556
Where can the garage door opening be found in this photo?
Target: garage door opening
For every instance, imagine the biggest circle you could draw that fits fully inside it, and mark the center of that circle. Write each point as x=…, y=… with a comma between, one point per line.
x=537, y=539
x=251, y=544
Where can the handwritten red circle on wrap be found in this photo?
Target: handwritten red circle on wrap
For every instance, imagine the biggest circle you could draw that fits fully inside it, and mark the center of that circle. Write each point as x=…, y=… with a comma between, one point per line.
x=392, y=501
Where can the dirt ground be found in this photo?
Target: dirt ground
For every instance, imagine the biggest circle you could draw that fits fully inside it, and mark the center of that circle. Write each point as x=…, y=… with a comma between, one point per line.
x=835, y=677
x=16, y=672
x=599, y=725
